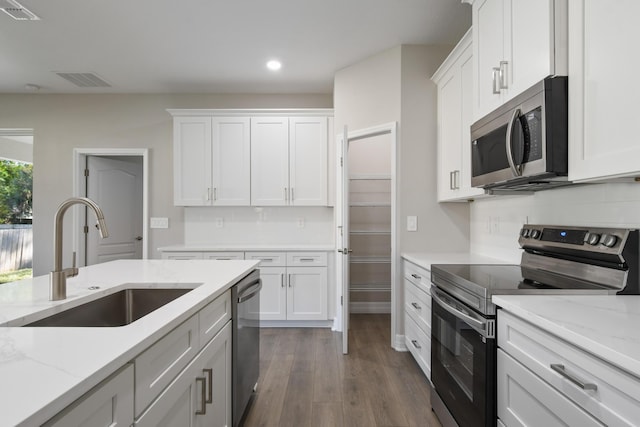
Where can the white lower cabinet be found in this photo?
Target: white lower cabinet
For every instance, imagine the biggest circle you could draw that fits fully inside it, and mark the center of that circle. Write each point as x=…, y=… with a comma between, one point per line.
x=201, y=394
x=417, y=314
x=110, y=403
x=544, y=380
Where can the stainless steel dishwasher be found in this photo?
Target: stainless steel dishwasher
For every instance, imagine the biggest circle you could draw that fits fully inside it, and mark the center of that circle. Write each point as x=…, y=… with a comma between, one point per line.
x=245, y=312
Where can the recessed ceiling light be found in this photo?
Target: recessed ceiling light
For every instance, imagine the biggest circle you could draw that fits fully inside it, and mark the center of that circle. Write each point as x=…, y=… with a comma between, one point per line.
x=274, y=65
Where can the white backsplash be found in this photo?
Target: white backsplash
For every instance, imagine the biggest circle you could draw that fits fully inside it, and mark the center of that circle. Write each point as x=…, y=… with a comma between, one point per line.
x=496, y=221
x=258, y=225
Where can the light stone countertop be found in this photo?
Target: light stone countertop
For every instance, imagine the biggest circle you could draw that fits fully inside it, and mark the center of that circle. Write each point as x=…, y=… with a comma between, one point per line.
x=44, y=369
x=243, y=248
x=606, y=326
x=426, y=259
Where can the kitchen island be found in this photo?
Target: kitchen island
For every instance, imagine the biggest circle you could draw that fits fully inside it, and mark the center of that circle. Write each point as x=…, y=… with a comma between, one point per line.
x=45, y=369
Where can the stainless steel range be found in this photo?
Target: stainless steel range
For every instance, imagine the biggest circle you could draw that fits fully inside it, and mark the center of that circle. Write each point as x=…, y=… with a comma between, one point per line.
x=555, y=260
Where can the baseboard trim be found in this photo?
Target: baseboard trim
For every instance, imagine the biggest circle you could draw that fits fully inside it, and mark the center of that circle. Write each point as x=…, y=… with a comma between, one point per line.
x=296, y=323
x=400, y=343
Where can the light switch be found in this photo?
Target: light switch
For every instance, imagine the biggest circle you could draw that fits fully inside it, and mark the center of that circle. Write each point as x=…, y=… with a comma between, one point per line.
x=159, y=222
x=219, y=222
x=412, y=223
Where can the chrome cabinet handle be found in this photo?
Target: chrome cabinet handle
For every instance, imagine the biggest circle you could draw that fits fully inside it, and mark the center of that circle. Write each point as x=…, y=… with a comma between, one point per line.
x=415, y=344
x=215, y=194
x=415, y=276
x=451, y=180
x=203, y=392
x=416, y=306
x=289, y=280
x=559, y=368
x=456, y=179
x=291, y=189
x=209, y=373
x=208, y=193
x=504, y=78
x=496, y=83
x=286, y=194
x=516, y=169
x=281, y=280
x=306, y=259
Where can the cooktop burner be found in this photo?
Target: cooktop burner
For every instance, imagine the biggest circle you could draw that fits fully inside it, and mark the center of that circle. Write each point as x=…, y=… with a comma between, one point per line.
x=555, y=260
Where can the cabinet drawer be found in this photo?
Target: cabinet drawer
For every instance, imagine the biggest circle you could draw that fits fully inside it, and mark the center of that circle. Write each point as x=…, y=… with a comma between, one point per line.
x=526, y=400
x=419, y=344
x=223, y=255
x=302, y=259
x=417, y=275
x=616, y=401
x=214, y=316
x=110, y=403
x=268, y=259
x=417, y=304
x=160, y=363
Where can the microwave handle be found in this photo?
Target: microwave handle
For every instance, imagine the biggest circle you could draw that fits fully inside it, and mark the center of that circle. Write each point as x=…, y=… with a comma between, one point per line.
x=516, y=169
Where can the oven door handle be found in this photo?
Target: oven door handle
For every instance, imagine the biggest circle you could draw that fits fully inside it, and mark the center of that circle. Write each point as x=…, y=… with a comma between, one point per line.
x=250, y=291
x=481, y=326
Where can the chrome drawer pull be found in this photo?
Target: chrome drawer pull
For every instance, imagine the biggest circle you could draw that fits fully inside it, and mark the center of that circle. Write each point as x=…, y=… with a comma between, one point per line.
x=559, y=368
x=415, y=344
x=306, y=259
x=415, y=276
x=203, y=392
x=416, y=306
x=209, y=373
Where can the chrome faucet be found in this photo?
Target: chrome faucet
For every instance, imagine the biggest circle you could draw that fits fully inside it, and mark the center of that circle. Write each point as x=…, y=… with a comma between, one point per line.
x=58, y=277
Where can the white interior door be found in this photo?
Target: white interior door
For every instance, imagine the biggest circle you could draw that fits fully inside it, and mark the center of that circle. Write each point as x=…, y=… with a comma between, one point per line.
x=344, y=241
x=115, y=184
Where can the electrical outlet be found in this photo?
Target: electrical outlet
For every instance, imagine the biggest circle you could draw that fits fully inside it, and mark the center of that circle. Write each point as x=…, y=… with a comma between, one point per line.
x=300, y=222
x=159, y=222
x=219, y=222
x=412, y=223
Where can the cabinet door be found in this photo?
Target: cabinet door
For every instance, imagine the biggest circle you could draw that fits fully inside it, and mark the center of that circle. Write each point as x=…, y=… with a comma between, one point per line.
x=466, y=105
x=602, y=83
x=488, y=42
x=191, y=161
x=306, y=293
x=217, y=359
x=308, y=161
x=524, y=399
x=269, y=161
x=231, y=146
x=529, y=45
x=108, y=404
x=273, y=296
x=449, y=125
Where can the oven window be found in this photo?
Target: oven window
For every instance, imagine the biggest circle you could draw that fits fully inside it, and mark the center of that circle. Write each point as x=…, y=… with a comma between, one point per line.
x=463, y=369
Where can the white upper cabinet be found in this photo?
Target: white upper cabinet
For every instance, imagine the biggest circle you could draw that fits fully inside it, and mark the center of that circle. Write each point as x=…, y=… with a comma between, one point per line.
x=603, y=87
x=455, y=91
x=231, y=161
x=516, y=44
x=308, y=161
x=269, y=161
x=250, y=157
x=191, y=160
x=289, y=161
x=211, y=161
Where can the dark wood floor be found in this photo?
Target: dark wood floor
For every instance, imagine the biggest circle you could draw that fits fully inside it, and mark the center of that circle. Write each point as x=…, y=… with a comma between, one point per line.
x=305, y=380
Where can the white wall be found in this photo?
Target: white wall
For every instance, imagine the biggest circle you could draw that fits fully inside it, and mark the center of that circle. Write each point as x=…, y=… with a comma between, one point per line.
x=496, y=222
x=64, y=122
x=258, y=226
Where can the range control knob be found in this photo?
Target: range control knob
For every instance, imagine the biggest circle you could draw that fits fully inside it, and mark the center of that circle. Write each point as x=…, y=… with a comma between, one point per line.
x=524, y=232
x=592, y=238
x=535, y=234
x=608, y=240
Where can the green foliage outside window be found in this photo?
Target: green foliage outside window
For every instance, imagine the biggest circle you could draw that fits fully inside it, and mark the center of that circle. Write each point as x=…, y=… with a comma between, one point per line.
x=16, y=196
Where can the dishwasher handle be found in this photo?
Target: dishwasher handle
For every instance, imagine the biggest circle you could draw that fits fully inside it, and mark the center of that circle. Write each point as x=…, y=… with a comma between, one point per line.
x=250, y=291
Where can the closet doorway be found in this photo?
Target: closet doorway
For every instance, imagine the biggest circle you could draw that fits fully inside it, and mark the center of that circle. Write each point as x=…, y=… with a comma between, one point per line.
x=366, y=210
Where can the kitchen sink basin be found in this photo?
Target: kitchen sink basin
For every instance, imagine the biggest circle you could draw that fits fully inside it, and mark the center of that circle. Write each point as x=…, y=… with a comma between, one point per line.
x=118, y=309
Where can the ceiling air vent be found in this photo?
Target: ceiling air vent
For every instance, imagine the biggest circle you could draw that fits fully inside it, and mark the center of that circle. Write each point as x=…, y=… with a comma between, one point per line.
x=84, y=79
x=17, y=11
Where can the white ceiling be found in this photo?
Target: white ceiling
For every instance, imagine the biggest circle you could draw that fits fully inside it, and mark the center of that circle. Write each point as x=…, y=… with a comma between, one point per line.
x=188, y=46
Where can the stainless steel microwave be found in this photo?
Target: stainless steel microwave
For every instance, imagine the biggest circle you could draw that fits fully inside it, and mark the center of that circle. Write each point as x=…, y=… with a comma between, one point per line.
x=523, y=144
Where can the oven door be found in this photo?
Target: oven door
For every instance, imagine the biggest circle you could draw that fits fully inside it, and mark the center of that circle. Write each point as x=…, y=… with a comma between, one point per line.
x=463, y=361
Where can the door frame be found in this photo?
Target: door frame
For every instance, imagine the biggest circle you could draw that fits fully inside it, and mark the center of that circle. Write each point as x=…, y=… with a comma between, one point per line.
x=390, y=129
x=79, y=163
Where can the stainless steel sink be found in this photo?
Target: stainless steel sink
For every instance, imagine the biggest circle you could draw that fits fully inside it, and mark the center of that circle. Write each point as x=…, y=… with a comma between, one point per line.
x=118, y=309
